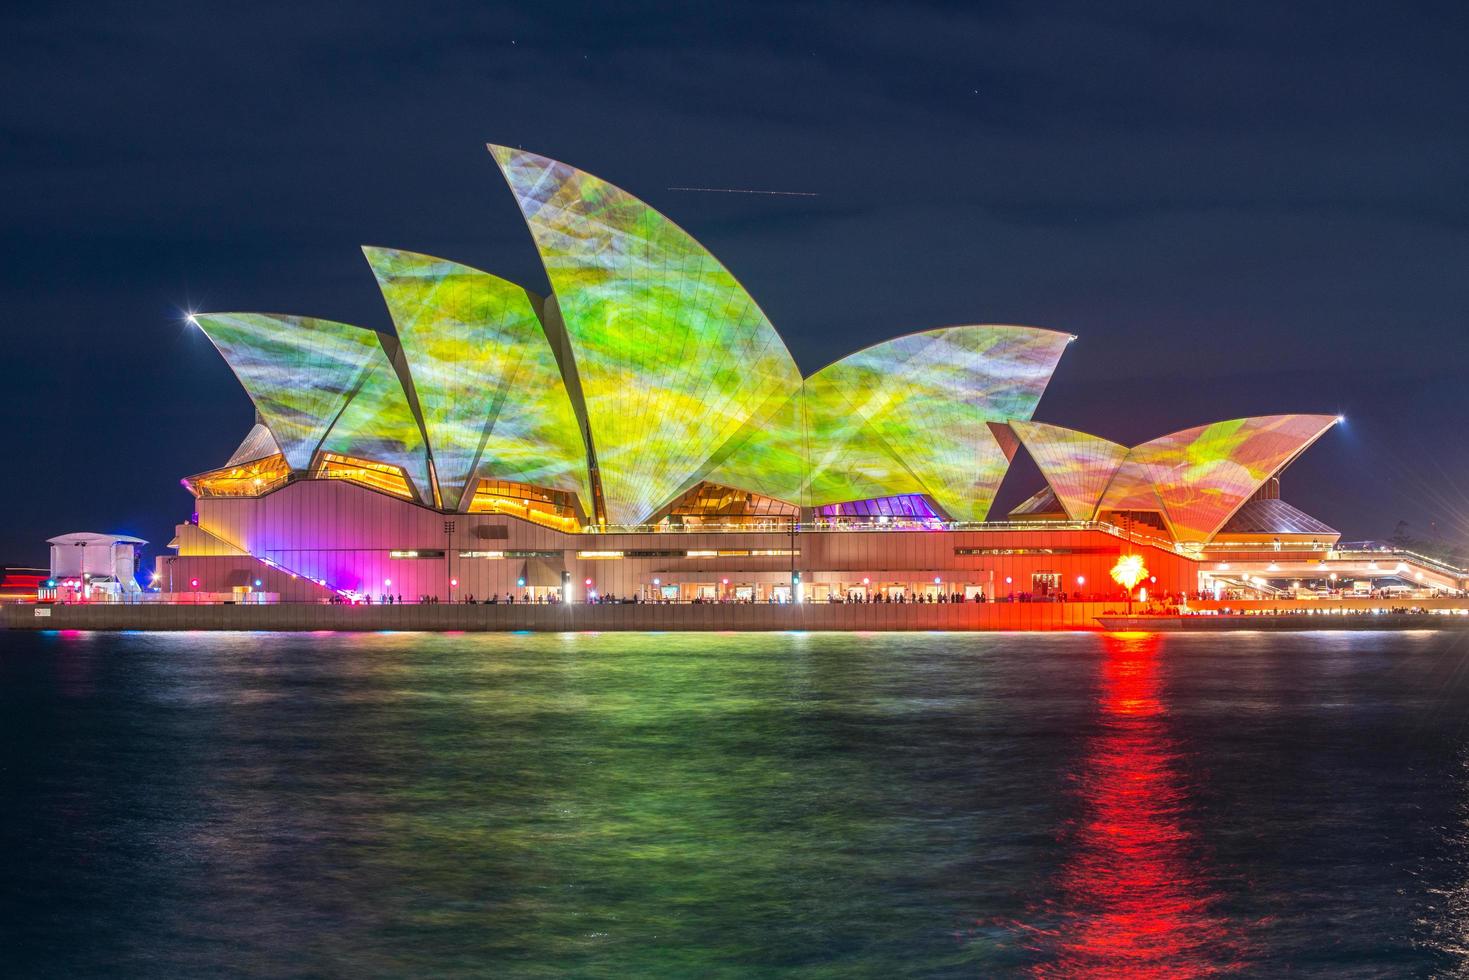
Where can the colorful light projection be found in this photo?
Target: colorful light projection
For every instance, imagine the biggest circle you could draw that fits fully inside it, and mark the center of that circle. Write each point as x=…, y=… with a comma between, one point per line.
x=846, y=458
x=930, y=396
x=682, y=379
x=490, y=390
x=1076, y=466
x=299, y=371
x=378, y=424
x=1204, y=474
x=674, y=357
x=1196, y=479
x=907, y=416
x=1130, y=489
x=769, y=453
x=817, y=449
x=319, y=384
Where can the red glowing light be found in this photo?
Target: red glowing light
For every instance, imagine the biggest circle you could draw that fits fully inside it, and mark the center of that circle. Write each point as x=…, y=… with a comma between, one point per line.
x=1133, y=901
x=588, y=583
x=193, y=583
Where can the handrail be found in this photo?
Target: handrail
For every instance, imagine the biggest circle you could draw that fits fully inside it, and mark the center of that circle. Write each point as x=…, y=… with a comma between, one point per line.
x=896, y=524
x=1436, y=564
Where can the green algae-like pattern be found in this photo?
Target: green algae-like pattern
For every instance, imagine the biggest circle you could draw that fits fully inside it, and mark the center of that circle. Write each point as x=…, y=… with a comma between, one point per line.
x=488, y=384
x=905, y=416
x=929, y=396
x=323, y=385
x=674, y=356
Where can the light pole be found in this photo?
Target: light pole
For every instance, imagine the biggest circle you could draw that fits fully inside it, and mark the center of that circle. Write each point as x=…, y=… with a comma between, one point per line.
x=795, y=579
x=449, y=558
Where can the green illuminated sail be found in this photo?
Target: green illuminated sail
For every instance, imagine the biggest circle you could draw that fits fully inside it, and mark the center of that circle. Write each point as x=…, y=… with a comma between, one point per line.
x=488, y=384
x=674, y=356
x=319, y=384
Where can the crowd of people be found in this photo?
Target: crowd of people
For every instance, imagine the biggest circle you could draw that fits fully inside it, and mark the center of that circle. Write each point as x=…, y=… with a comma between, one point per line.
x=855, y=596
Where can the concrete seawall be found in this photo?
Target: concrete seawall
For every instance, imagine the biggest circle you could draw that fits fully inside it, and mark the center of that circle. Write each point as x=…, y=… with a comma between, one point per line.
x=1224, y=624
x=707, y=617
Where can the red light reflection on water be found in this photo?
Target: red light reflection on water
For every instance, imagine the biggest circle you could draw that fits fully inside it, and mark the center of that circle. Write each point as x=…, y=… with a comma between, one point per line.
x=1132, y=901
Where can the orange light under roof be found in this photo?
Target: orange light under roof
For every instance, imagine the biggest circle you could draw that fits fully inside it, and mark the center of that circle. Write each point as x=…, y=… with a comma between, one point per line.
x=251, y=479
x=539, y=505
x=377, y=476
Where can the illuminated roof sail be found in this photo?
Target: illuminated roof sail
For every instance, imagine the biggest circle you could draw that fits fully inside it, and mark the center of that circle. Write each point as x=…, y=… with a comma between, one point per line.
x=674, y=356
x=1076, y=466
x=1204, y=474
x=319, y=384
x=488, y=384
x=930, y=396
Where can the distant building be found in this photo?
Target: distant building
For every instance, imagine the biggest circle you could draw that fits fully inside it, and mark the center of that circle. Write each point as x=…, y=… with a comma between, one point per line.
x=87, y=565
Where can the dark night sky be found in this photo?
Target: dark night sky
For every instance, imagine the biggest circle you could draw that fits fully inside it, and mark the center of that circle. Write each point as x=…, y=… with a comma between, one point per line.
x=1239, y=208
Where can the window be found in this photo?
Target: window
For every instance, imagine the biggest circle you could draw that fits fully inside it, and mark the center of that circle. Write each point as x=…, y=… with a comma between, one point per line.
x=711, y=503
x=365, y=472
x=539, y=505
x=250, y=479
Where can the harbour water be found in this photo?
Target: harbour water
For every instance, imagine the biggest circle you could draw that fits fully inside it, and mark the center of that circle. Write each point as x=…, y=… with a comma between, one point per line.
x=824, y=804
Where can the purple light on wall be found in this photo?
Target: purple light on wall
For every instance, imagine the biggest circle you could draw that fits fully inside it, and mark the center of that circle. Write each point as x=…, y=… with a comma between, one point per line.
x=912, y=506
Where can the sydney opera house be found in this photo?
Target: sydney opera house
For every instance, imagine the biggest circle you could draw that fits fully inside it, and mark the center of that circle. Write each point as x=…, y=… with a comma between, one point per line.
x=642, y=432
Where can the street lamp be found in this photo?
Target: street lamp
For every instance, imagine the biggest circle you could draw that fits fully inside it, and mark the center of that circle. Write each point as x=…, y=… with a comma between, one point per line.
x=449, y=558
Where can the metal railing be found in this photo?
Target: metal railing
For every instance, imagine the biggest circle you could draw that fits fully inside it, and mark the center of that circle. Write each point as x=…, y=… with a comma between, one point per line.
x=877, y=525
x=1403, y=555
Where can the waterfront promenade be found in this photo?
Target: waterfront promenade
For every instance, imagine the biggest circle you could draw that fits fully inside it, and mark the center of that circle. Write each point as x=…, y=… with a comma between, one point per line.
x=713, y=617
x=557, y=618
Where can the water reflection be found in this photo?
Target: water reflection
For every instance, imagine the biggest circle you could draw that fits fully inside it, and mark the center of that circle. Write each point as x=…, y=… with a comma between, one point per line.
x=823, y=805
x=1131, y=899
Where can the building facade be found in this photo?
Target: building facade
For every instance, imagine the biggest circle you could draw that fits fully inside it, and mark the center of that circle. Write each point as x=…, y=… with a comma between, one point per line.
x=643, y=433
